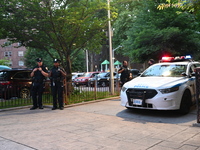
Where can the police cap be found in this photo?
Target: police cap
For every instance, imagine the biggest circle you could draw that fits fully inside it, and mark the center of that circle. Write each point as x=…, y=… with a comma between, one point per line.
x=56, y=61
x=39, y=59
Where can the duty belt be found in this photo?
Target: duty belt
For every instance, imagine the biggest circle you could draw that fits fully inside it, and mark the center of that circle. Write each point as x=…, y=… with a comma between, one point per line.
x=38, y=80
x=57, y=79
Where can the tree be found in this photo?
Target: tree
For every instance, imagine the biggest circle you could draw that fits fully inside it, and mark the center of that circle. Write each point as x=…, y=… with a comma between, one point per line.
x=4, y=62
x=78, y=62
x=32, y=54
x=152, y=33
x=65, y=26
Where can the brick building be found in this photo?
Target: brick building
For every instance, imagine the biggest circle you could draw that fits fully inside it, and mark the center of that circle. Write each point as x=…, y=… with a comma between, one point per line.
x=13, y=53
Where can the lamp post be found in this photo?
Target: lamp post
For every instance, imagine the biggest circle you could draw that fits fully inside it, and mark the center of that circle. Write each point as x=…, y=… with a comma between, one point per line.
x=86, y=53
x=114, y=53
x=110, y=52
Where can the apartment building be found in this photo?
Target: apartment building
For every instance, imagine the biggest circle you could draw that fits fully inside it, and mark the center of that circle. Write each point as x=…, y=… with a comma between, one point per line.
x=13, y=53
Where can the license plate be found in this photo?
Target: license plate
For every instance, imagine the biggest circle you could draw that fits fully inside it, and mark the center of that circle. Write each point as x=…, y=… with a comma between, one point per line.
x=137, y=101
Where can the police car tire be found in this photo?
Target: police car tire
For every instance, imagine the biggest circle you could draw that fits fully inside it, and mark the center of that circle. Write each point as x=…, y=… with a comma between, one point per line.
x=185, y=103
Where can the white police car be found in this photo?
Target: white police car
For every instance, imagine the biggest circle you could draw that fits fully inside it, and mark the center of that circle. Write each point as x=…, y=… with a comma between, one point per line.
x=169, y=85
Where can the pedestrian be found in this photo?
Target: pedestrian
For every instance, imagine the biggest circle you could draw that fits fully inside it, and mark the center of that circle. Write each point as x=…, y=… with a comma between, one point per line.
x=151, y=62
x=38, y=74
x=125, y=73
x=57, y=75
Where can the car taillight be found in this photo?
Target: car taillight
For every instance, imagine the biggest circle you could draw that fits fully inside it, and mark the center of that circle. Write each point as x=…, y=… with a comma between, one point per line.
x=4, y=82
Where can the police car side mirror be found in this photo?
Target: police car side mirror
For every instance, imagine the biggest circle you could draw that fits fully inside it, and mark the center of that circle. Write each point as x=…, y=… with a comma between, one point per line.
x=193, y=74
x=184, y=74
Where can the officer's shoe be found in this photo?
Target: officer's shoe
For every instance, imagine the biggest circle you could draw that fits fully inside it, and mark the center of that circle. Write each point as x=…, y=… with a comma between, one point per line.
x=34, y=107
x=54, y=108
x=41, y=107
x=61, y=108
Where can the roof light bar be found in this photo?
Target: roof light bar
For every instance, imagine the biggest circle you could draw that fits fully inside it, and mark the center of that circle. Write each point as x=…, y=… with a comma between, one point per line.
x=177, y=58
x=188, y=57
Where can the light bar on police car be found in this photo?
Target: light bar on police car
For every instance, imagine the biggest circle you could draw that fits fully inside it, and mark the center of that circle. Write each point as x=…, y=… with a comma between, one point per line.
x=177, y=58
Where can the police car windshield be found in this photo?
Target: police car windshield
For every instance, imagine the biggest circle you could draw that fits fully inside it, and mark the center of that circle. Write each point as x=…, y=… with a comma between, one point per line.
x=165, y=70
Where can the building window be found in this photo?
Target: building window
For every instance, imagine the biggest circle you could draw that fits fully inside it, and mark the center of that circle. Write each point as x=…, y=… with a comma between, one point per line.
x=7, y=44
x=19, y=44
x=21, y=63
x=7, y=54
x=20, y=53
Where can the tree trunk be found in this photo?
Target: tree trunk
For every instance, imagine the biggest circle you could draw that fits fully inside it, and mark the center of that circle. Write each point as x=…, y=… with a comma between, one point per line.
x=67, y=67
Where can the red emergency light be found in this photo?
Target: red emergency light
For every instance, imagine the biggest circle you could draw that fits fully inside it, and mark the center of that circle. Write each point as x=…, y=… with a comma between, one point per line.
x=166, y=59
x=177, y=58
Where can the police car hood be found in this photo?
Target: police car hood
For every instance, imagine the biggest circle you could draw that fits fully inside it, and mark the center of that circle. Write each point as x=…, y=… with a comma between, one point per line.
x=155, y=82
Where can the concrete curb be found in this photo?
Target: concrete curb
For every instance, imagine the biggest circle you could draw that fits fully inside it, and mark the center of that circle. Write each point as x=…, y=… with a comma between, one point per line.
x=66, y=106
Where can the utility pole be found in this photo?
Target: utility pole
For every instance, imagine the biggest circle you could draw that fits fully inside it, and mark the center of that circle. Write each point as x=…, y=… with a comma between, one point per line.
x=110, y=52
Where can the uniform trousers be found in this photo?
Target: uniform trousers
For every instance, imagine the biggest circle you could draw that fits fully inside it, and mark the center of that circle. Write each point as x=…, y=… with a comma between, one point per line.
x=37, y=91
x=57, y=92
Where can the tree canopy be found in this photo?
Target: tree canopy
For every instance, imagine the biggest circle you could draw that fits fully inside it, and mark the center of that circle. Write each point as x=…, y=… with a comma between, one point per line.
x=151, y=33
x=64, y=26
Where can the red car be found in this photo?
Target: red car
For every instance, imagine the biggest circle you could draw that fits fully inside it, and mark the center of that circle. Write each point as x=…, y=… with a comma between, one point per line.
x=83, y=80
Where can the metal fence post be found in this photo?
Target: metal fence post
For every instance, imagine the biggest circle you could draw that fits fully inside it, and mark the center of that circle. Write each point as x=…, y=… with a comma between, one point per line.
x=197, y=76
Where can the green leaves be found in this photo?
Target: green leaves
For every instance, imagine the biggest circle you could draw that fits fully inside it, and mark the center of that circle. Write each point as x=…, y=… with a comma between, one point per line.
x=64, y=26
x=147, y=32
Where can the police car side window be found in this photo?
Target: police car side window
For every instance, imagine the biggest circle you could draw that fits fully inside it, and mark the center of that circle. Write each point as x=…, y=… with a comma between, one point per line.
x=192, y=67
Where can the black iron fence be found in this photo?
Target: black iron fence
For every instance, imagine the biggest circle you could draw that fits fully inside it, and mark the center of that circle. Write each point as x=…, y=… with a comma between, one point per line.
x=15, y=96
x=197, y=75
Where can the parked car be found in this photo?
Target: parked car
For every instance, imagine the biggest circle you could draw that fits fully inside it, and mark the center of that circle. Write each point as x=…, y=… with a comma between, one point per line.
x=83, y=80
x=16, y=83
x=2, y=67
x=103, y=79
x=97, y=78
x=76, y=75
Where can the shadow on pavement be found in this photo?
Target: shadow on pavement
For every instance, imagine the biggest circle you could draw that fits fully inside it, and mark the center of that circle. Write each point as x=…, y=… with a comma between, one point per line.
x=158, y=116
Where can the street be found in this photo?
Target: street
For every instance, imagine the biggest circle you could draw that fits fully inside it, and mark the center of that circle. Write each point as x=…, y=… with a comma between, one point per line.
x=103, y=125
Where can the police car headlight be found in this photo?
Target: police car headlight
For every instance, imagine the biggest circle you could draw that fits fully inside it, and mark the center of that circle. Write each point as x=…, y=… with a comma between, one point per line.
x=169, y=90
x=124, y=88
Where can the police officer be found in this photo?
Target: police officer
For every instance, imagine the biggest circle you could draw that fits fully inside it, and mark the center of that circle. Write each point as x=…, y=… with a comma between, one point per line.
x=57, y=75
x=125, y=73
x=38, y=74
x=151, y=62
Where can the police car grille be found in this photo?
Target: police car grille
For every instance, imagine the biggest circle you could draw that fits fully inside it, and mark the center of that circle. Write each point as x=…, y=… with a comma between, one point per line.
x=141, y=93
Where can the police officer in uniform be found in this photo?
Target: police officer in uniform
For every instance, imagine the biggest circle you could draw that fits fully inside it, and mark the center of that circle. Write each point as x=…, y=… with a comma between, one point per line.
x=125, y=73
x=57, y=75
x=38, y=74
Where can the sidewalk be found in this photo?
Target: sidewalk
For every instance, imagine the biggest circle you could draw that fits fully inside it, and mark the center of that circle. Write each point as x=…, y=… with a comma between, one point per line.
x=103, y=125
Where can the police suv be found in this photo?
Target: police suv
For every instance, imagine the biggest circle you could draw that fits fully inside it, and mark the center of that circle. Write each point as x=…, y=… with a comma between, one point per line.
x=168, y=85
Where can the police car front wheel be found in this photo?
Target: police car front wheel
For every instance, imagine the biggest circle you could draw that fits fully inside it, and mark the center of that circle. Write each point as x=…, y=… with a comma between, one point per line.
x=185, y=103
